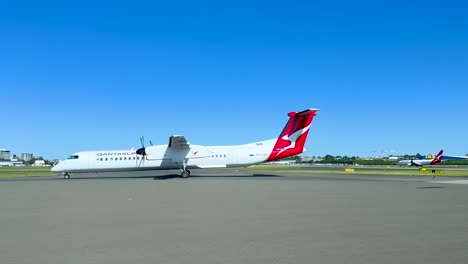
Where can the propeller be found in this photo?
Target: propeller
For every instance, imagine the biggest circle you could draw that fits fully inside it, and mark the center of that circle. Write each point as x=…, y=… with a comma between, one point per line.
x=141, y=151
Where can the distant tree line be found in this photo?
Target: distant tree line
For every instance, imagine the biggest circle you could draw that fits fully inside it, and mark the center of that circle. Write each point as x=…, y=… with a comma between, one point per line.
x=329, y=159
x=455, y=162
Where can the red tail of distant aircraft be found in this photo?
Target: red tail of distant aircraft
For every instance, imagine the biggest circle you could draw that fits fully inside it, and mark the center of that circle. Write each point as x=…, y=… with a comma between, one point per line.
x=438, y=158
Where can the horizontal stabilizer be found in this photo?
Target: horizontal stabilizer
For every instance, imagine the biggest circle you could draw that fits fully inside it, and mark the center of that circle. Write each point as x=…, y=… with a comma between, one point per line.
x=178, y=142
x=308, y=111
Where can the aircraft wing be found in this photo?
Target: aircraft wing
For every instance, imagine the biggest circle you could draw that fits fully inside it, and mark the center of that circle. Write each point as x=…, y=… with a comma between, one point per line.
x=177, y=141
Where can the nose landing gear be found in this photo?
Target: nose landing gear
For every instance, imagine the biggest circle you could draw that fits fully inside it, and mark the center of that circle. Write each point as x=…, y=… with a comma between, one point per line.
x=66, y=176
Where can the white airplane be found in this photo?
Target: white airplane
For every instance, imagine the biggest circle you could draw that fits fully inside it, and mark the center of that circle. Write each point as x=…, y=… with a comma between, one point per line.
x=180, y=154
x=421, y=162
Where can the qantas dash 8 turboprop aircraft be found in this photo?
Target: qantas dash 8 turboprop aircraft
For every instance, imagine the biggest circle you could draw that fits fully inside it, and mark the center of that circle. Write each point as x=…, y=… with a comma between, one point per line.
x=180, y=154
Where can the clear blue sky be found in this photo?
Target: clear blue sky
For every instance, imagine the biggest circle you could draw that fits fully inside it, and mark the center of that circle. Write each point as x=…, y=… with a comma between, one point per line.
x=389, y=77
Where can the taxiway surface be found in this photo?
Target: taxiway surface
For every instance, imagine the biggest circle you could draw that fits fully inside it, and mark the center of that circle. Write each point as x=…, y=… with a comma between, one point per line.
x=233, y=216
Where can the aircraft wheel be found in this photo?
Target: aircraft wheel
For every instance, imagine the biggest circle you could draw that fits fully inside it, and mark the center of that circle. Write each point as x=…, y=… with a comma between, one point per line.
x=185, y=174
x=66, y=176
x=188, y=172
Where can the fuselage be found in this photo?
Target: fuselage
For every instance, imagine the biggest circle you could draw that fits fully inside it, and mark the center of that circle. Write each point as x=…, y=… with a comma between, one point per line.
x=180, y=154
x=418, y=162
x=162, y=157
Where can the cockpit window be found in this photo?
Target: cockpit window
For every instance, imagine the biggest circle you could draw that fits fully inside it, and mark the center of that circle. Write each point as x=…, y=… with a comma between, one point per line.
x=73, y=157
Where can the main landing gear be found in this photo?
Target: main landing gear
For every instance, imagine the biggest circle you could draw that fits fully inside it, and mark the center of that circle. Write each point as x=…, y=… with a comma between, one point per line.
x=185, y=174
x=66, y=176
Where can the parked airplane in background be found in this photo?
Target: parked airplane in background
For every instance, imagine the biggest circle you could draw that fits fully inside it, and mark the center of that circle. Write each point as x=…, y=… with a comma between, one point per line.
x=421, y=162
x=180, y=154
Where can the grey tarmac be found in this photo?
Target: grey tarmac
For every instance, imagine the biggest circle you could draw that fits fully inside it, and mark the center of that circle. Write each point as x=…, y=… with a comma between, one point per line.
x=233, y=216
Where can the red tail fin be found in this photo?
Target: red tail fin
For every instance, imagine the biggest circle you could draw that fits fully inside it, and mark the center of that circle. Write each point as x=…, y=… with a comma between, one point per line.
x=291, y=141
x=438, y=158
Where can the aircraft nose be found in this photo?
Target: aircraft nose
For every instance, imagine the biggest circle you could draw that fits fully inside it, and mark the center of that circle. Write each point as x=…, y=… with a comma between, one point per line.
x=56, y=168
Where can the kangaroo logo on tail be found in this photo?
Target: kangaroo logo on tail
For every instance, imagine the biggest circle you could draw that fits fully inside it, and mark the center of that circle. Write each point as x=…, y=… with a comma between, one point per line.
x=291, y=141
x=438, y=158
x=293, y=138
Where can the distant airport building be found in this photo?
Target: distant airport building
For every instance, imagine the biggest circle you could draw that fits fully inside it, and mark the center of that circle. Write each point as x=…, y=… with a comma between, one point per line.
x=26, y=156
x=11, y=163
x=5, y=154
x=39, y=163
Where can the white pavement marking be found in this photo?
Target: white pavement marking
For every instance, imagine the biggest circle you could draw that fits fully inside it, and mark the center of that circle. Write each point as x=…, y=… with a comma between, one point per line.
x=452, y=181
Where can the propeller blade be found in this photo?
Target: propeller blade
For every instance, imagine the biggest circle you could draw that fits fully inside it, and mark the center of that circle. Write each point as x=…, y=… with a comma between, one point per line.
x=142, y=160
x=141, y=151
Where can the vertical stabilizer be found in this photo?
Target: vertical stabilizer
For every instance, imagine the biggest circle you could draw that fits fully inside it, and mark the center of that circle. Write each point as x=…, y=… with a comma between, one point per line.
x=438, y=158
x=293, y=137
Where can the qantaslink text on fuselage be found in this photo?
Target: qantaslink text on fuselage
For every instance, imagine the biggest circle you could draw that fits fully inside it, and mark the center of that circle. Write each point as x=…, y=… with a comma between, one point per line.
x=116, y=153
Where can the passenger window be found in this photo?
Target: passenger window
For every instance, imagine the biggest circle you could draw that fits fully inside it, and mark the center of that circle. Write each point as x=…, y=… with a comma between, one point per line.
x=120, y=158
x=100, y=159
x=224, y=155
x=106, y=159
